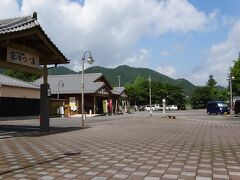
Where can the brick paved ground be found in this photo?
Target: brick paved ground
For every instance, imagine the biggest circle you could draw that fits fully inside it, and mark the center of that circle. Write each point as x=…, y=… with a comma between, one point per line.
x=134, y=148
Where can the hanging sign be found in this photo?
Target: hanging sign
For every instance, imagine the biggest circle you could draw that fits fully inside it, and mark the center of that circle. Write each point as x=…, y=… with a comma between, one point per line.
x=72, y=103
x=19, y=57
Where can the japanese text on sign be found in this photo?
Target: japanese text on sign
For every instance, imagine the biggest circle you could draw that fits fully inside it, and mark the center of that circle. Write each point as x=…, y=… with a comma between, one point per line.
x=23, y=58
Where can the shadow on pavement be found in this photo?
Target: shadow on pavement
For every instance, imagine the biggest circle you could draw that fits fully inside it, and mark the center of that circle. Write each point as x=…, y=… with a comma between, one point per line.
x=68, y=154
x=9, y=131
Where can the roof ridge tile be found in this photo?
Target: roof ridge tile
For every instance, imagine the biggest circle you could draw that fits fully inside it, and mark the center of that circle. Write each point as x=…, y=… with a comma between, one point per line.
x=15, y=22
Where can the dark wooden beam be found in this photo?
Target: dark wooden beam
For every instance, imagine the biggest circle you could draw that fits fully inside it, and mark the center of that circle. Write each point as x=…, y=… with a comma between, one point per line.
x=22, y=48
x=38, y=32
x=18, y=34
x=22, y=68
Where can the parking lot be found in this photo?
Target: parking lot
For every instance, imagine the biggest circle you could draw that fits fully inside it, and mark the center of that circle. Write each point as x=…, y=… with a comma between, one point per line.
x=134, y=146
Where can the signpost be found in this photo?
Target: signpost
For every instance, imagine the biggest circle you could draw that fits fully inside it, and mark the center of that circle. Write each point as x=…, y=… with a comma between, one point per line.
x=164, y=105
x=72, y=103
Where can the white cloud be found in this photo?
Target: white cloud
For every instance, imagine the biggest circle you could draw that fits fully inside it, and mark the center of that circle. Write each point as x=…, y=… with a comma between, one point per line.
x=167, y=70
x=220, y=58
x=164, y=53
x=139, y=59
x=178, y=15
x=110, y=29
x=9, y=8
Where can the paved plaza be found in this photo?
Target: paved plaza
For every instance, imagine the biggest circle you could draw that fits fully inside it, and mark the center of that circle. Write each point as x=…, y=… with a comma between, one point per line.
x=129, y=147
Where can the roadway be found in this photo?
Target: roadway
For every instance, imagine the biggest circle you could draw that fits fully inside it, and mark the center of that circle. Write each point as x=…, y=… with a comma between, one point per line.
x=65, y=124
x=133, y=146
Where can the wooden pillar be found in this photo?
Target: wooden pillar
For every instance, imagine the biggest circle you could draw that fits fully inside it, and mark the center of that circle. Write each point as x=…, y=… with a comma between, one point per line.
x=116, y=107
x=44, y=103
x=94, y=104
x=111, y=100
x=125, y=106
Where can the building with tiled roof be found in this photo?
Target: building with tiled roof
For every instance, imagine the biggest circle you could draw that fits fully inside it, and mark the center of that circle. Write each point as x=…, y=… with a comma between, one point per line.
x=69, y=88
x=72, y=83
x=18, y=97
x=25, y=47
x=120, y=99
x=13, y=82
x=119, y=91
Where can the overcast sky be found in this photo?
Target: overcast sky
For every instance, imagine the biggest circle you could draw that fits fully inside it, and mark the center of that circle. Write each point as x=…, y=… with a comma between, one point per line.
x=180, y=38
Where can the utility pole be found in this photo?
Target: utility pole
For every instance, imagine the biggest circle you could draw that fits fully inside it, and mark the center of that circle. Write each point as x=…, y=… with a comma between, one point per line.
x=150, y=95
x=119, y=81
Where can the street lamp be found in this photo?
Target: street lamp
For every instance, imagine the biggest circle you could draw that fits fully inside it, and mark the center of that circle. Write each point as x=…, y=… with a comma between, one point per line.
x=150, y=95
x=90, y=61
x=230, y=78
x=60, y=84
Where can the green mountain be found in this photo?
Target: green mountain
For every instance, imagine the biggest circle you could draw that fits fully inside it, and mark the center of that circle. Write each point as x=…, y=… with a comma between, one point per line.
x=220, y=87
x=61, y=70
x=185, y=84
x=129, y=74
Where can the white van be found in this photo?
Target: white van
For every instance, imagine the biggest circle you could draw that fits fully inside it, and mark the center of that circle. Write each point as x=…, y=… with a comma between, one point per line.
x=147, y=108
x=172, y=107
x=156, y=107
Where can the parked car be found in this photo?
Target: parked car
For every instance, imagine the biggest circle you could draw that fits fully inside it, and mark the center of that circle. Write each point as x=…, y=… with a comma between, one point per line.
x=181, y=107
x=172, y=107
x=147, y=108
x=141, y=108
x=217, y=107
x=156, y=107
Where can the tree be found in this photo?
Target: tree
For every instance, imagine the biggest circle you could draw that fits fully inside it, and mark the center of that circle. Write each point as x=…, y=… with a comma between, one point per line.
x=158, y=92
x=235, y=71
x=175, y=95
x=138, y=92
x=223, y=95
x=216, y=94
x=211, y=83
x=210, y=92
x=200, y=96
x=20, y=75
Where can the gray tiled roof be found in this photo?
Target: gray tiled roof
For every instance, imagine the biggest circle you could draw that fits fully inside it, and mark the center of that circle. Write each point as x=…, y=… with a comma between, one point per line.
x=17, y=24
x=118, y=90
x=14, y=25
x=73, y=83
x=9, y=81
